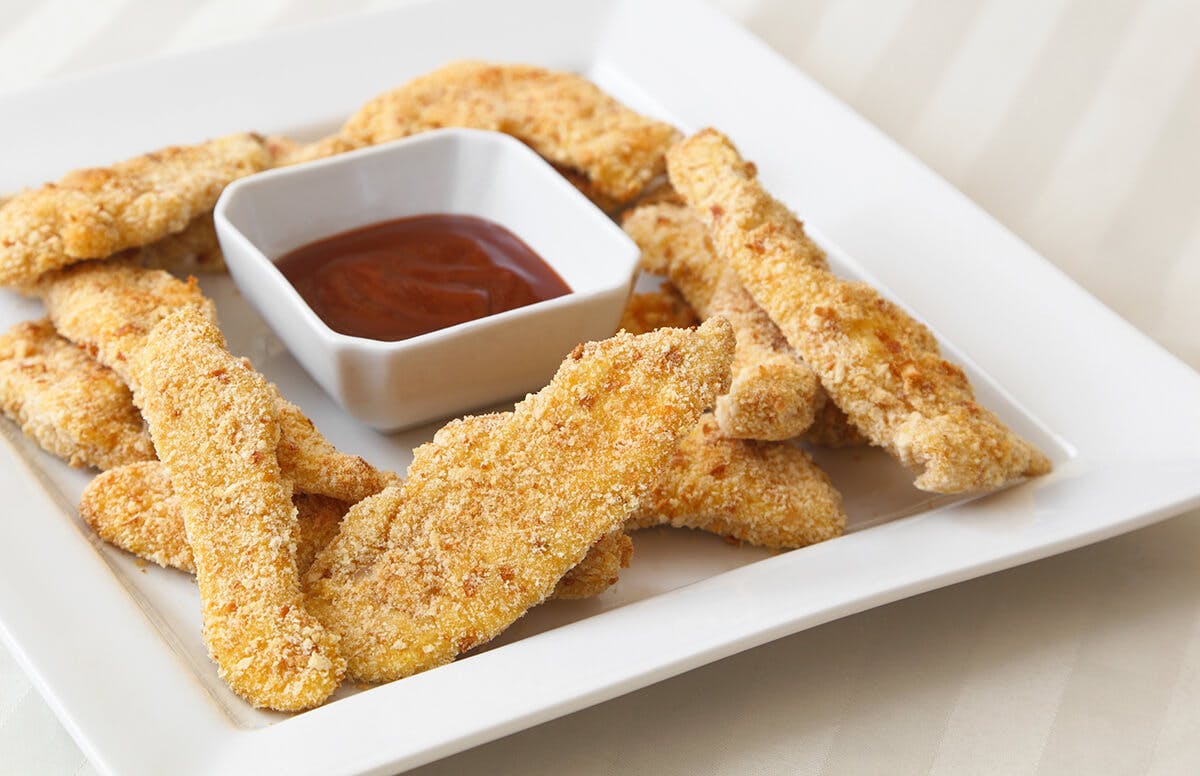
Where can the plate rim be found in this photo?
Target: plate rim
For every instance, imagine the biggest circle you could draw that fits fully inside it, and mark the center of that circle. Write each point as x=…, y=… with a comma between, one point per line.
x=68, y=680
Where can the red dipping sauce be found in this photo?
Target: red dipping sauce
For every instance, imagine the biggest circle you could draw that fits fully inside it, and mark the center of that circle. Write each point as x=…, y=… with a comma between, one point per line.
x=398, y=279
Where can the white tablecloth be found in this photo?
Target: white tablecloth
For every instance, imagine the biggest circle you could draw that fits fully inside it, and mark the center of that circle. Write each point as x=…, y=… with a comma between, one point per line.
x=1077, y=124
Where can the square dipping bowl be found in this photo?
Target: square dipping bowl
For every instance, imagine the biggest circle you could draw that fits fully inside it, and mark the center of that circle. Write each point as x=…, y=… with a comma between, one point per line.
x=393, y=385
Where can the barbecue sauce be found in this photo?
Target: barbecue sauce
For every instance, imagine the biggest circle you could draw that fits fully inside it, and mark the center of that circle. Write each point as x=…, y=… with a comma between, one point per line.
x=398, y=279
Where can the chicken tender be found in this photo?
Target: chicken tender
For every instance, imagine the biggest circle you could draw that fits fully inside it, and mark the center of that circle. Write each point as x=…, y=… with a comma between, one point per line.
x=661, y=309
x=765, y=493
x=135, y=508
x=599, y=569
x=881, y=367
x=480, y=532
x=66, y=402
x=213, y=421
x=94, y=213
x=831, y=428
x=194, y=250
x=565, y=118
x=315, y=466
x=774, y=394
x=110, y=307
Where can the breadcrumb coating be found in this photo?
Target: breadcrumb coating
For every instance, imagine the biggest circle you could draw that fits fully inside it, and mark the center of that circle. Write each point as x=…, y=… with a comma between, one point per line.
x=831, y=428
x=110, y=307
x=878, y=364
x=765, y=493
x=676, y=245
x=314, y=465
x=661, y=309
x=666, y=308
x=774, y=394
x=135, y=508
x=213, y=422
x=66, y=402
x=599, y=569
x=480, y=532
x=565, y=118
x=96, y=212
x=194, y=250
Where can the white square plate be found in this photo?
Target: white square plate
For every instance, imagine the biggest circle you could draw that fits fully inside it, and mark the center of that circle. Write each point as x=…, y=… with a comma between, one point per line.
x=115, y=647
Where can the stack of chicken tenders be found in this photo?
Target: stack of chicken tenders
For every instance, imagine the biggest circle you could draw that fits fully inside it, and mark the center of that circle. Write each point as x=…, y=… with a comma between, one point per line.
x=313, y=565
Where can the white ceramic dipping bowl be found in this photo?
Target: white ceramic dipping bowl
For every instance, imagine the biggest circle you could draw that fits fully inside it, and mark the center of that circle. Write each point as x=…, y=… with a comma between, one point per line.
x=392, y=385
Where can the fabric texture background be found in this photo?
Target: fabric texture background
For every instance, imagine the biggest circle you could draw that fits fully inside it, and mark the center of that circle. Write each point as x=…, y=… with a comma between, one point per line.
x=1075, y=123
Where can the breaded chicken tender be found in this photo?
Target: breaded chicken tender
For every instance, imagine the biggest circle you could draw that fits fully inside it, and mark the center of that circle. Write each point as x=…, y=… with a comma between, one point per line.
x=565, y=118
x=213, y=421
x=194, y=250
x=599, y=569
x=314, y=465
x=774, y=394
x=109, y=308
x=661, y=309
x=765, y=493
x=480, y=532
x=831, y=428
x=881, y=367
x=96, y=212
x=135, y=508
x=66, y=402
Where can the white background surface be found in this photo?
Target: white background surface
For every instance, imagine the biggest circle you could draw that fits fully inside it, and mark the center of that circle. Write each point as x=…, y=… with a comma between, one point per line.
x=1074, y=123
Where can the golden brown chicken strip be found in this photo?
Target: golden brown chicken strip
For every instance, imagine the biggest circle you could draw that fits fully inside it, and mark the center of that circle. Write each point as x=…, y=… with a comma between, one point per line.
x=599, y=569
x=666, y=308
x=213, y=422
x=831, y=428
x=66, y=402
x=765, y=493
x=314, y=465
x=96, y=212
x=135, y=508
x=110, y=307
x=774, y=394
x=879, y=365
x=194, y=250
x=661, y=309
x=565, y=118
x=478, y=533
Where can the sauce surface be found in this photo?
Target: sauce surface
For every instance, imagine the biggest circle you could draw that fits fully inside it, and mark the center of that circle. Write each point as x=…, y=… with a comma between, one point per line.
x=398, y=279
